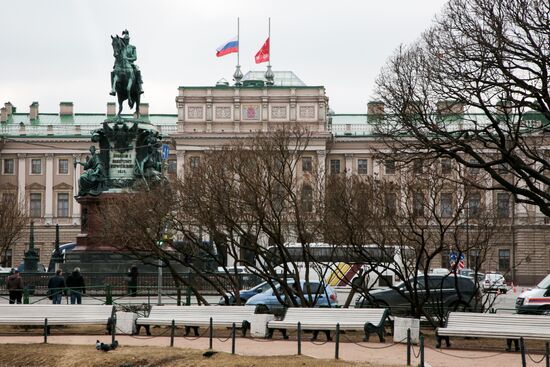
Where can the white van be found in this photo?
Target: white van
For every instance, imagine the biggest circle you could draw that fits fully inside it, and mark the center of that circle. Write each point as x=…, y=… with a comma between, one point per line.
x=536, y=300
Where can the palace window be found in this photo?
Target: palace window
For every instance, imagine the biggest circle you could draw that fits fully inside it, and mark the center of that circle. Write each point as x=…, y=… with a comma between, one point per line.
x=62, y=204
x=307, y=198
x=417, y=166
x=36, y=166
x=446, y=166
x=503, y=260
x=391, y=203
x=362, y=166
x=63, y=167
x=446, y=204
x=334, y=166
x=35, y=205
x=474, y=204
x=195, y=162
x=306, y=164
x=390, y=167
x=9, y=166
x=503, y=205
x=172, y=166
x=418, y=204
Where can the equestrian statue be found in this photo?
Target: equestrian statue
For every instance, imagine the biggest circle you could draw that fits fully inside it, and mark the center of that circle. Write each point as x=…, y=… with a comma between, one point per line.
x=126, y=82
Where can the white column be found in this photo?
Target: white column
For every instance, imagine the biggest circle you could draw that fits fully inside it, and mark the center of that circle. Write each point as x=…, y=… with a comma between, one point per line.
x=322, y=172
x=76, y=205
x=349, y=164
x=180, y=155
x=21, y=177
x=49, y=189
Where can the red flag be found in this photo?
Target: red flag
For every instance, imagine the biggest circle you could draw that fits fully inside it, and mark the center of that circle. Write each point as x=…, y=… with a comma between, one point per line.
x=263, y=54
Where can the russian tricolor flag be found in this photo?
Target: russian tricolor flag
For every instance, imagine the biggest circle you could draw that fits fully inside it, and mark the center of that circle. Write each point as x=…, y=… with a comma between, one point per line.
x=228, y=47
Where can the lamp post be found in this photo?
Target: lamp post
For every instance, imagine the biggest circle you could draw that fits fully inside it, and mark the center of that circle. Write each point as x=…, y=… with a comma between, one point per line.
x=31, y=256
x=159, y=279
x=57, y=257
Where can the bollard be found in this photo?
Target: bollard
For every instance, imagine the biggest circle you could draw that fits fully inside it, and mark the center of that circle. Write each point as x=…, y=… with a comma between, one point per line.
x=522, y=349
x=547, y=353
x=25, y=296
x=46, y=331
x=108, y=295
x=233, y=339
x=173, y=329
x=337, y=346
x=421, y=350
x=408, y=347
x=211, y=333
x=113, y=329
x=299, y=337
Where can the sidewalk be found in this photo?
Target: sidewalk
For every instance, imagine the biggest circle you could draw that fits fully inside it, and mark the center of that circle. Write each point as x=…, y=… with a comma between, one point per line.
x=378, y=353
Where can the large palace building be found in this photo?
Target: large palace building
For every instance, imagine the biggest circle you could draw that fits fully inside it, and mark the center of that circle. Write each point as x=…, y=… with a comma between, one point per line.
x=38, y=152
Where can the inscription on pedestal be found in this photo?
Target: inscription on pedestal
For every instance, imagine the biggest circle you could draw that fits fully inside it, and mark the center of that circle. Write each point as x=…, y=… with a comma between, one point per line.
x=121, y=165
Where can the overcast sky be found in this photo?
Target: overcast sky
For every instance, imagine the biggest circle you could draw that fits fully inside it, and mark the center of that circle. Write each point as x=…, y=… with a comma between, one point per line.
x=52, y=51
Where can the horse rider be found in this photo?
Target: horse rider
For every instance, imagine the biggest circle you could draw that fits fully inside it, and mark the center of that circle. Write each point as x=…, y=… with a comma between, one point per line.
x=128, y=56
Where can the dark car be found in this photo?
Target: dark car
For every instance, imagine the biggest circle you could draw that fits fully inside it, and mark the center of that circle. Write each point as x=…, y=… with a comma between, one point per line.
x=444, y=295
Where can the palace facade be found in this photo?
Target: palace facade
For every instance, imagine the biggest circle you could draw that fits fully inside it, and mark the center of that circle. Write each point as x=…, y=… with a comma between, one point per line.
x=38, y=152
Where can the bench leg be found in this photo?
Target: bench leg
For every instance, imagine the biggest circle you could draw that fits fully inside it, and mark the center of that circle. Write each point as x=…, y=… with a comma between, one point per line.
x=315, y=335
x=327, y=333
x=367, y=333
x=245, y=327
x=285, y=337
x=380, y=333
x=196, y=330
x=187, y=330
x=270, y=333
x=509, y=345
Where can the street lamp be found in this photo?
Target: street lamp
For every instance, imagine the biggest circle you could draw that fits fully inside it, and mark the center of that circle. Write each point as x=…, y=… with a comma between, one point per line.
x=160, y=243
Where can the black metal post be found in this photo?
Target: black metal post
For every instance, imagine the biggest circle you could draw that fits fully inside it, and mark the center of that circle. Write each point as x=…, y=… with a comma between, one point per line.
x=522, y=349
x=233, y=339
x=113, y=330
x=45, y=330
x=211, y=333
x=408, y=347
x=337, y=347
x=172, y=331
x=547, y=353
x=421, y=350
x=299, y=336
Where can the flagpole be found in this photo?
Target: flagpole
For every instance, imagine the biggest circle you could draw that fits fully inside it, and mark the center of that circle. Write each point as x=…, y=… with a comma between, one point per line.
x=269, y=76
x=238, y=75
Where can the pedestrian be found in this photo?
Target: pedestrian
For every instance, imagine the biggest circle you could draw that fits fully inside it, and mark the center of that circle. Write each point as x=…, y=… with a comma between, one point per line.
x=75, y=283
x=14, y=284
x=56, y=287
x=132, y=278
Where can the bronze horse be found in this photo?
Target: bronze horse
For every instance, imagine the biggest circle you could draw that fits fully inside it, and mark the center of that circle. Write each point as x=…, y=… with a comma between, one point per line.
x=126, y=86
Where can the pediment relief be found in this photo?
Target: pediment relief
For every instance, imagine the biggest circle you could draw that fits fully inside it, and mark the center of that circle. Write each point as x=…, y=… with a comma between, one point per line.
x=35, y=186
x=63, y=186
x=8, y=186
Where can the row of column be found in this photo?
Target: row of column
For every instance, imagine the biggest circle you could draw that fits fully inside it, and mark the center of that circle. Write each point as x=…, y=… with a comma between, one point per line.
x=49, y=192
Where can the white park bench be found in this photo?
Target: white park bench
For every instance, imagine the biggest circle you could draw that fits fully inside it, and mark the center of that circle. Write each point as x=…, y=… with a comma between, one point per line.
x=197, y=316
x=370, y=320
x=499, y=326
x=36, y=314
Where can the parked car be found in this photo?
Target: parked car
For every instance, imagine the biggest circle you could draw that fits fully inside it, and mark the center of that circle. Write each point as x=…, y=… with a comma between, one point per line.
x=245, y=294
x=326, y=296
x=445, y=295
x=471, y=273
x=494, y=282
x=535, y=300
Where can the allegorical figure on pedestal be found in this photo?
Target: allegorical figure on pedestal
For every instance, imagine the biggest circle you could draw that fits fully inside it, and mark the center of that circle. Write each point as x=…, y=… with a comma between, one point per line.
x=126, y=82
x=92, y=180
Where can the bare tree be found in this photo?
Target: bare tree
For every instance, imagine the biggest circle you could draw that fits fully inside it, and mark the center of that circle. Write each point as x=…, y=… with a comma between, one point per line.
x=13, y=220
x=475, y=88
x=400, y=228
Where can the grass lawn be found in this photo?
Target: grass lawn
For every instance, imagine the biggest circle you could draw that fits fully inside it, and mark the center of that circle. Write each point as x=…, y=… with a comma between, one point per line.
x=56, y=355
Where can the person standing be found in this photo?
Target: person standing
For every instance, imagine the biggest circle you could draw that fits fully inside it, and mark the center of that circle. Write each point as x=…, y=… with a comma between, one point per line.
x=14, y=284
x=133, y=281
x=56, y=287
x=75, y=283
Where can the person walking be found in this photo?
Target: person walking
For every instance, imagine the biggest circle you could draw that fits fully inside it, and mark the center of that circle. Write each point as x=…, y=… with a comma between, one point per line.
x=56, y=287
x=75, y=283
x=132, y=281
x=14, y=284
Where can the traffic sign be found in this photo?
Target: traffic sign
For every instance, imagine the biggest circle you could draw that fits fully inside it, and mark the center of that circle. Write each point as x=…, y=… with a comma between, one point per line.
x=165, y=151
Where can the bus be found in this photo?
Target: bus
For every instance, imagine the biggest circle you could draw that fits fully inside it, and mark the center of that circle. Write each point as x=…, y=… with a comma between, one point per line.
x=339, y=265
